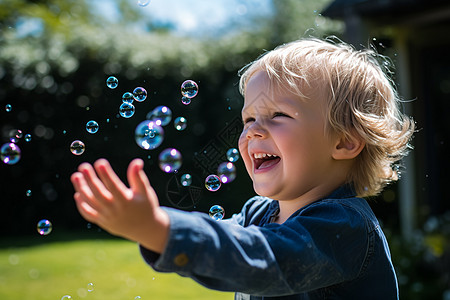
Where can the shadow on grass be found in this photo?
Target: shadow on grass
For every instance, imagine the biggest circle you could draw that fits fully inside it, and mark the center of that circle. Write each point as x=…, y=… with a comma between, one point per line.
x=55, y=237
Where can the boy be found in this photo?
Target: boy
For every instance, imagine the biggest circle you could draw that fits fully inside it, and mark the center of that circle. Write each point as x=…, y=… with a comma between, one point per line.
x=321, y=126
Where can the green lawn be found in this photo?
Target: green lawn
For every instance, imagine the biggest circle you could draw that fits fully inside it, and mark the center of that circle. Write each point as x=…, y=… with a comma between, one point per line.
x=54, y=268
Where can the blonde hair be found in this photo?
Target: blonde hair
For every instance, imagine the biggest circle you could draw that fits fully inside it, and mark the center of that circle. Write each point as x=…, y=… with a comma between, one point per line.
x=361, y=100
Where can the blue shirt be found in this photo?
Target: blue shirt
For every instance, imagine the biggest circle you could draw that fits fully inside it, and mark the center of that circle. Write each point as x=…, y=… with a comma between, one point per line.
x=333, y=248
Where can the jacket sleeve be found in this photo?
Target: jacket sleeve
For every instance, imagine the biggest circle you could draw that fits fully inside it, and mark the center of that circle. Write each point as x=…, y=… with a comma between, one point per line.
x=323, y=245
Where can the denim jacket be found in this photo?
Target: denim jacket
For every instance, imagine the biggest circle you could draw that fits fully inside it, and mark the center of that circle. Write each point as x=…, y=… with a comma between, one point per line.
x=333, y=248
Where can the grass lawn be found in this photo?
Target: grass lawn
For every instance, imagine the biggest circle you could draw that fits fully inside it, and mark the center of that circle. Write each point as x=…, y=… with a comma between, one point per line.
x=49, y=268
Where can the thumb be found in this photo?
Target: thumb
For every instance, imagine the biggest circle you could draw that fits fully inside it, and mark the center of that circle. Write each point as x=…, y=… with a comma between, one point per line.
x=139, y=182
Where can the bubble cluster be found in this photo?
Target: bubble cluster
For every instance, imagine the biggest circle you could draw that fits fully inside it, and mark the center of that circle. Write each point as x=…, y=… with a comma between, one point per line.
x=186, y=179
x=162, y=115
x=127, y=97
x=10, y=153
x=233, y=154
x=170, y=160
x=8, y=107
x=92, y=126
x=180, y=123
x=44, y=227
x=189, y=89
x=226, y=172
x=148, y=135
x=139, y=94
x=77, y=147
x=112, y=82
x=217, y=212
x=126, y=110
x=212, y=183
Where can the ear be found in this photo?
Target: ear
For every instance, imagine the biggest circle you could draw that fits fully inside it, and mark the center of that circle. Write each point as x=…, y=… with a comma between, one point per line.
x=348, y=147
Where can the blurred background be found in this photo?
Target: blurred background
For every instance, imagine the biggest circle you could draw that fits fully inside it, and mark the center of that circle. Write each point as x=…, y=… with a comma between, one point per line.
x=55, y=57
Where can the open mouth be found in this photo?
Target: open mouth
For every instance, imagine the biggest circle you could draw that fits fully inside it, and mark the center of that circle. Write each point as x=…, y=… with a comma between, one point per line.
x=265, y=160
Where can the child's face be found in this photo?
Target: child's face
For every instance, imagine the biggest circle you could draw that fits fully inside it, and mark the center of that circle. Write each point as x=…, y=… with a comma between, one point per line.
x=283, y=143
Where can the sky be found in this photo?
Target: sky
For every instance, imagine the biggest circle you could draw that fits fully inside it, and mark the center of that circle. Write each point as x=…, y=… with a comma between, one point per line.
x=195, y=16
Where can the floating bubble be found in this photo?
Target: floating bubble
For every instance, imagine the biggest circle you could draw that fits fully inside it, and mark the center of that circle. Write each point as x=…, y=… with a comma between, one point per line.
x=8, y=107
x=212, y=183
x=140, y=94
x=189, y=89
x=15, y=135
x=126, y=110
x=28, y=193
x=10, y=153
x=217, y=212
x=186, y=179
x=180, y=123
x=27, y=137
x=161, y=115
x=66, y=297
x=143, y=3
x=137, y=298
x=170, y=160
x=226, y=172
x=186, y=100
x=92, y=126
x=77, y=147
x=127, y=97
x=233, y=154
x=149, y=135
x=90, y=287
x=112, y=82
x=44, y=227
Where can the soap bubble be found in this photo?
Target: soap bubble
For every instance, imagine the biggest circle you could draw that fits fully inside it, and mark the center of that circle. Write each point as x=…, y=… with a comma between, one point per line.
x=143, y=2
x=126, y=110
x=92, y=126
x=90, y=287
x=27, y=137
x=44, y=227
x=28, y=193
x=66, y=297
x=8, y=107
x=127, y=97
x=189, y=89
x=226, y=172
x=212, y=183
x=77, y=147
x=161, y=115
x=186, y=100
x=180, y=123
x=217, y=212
x=233, y=154
x=140, y=94
x=112, y=82
x=186, y=179
x=15, y=135
x=149, y=135
x=10, y=153
x=137, y=298
x=170, y=160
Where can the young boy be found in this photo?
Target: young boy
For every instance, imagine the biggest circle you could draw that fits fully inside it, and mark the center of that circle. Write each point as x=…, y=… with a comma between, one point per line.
x=321, y=127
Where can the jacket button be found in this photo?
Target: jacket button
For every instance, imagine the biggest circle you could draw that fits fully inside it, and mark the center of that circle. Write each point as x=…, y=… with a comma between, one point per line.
x=181, y=260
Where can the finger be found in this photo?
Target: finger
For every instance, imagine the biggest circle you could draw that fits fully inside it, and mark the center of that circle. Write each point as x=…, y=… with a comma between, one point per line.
x=98, y=189
x=86, y=211
x=110, y=179
x=139, y=182
x=83, y=190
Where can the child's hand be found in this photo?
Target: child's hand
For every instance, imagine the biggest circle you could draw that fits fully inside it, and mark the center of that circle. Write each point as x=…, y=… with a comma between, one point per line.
x=133, y=213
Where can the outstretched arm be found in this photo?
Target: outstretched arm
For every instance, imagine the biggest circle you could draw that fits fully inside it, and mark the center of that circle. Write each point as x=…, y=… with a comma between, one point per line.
x=133, y=213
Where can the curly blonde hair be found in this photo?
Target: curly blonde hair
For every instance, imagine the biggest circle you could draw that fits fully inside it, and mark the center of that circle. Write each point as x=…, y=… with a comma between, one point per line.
x=361, y=100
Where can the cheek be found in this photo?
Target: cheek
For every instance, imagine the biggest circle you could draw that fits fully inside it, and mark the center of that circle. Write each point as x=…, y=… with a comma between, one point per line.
x=243, y=149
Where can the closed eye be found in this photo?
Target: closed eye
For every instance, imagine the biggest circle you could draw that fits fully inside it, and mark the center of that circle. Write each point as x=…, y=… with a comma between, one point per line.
x=247, y=120
x=280, y=114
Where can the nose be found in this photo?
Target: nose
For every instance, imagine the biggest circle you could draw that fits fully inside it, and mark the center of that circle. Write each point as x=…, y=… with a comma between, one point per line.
x=256, y=130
